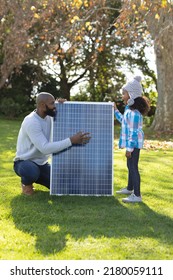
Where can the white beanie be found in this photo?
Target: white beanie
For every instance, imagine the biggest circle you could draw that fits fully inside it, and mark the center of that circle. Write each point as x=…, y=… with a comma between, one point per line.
x=134, y=89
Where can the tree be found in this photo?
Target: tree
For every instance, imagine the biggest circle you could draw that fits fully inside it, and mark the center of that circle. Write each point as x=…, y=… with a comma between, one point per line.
x=104, y=79
x=77, y=36
x=156, y=17
x=47, y=29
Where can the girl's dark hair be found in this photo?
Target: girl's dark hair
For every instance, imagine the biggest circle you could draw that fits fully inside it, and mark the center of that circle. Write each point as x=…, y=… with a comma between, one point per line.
x=141, y=104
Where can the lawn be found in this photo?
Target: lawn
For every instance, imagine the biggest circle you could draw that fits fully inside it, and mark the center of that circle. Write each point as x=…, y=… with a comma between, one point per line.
x=84, y=228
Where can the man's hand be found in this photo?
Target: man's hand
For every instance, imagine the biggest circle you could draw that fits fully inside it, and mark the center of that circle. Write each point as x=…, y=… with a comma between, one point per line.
x=61, y=100
x=80, y=138
x=128, y=154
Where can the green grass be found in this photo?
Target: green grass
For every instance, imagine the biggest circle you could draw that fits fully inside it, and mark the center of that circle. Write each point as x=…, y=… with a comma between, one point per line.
x=70, y=227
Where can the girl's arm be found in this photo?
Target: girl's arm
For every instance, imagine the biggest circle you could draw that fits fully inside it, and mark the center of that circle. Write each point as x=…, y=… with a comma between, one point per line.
x=117, y=114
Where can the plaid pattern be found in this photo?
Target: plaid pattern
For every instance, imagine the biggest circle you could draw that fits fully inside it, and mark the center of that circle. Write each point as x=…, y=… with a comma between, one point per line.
x=131, y=135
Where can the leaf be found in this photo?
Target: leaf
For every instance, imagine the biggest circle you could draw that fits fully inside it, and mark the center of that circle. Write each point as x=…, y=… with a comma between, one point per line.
x=36, y=15
x=88, y=25
x=164, y=3
x=100, y=49
x=157, y=16
x=78, y=38
x=75, y=18
x=86, y=4
x=78, y=3
x=33, y=8
x=134, y=7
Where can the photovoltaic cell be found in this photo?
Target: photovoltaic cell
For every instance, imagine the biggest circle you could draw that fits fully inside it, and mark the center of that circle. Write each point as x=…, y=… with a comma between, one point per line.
x=83, y=169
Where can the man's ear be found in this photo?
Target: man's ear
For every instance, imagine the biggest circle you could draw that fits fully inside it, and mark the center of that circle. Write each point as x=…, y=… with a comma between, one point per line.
x=42, y=104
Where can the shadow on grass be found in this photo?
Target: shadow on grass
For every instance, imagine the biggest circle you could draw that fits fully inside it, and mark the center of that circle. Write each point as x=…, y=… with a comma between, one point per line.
x=52, y=219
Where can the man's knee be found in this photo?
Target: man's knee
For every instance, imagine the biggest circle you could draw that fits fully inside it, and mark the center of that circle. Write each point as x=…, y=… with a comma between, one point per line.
x=27, y=170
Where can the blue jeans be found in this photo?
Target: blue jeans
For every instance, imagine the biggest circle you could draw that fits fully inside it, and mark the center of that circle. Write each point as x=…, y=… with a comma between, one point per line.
x=133, y=175
x=30, y=172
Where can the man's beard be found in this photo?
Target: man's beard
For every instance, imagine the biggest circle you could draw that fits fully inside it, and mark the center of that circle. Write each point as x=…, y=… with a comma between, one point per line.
x=50, y=112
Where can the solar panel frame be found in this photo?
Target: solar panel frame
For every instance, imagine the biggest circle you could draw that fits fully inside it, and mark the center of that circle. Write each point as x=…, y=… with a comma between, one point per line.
x=75, y=171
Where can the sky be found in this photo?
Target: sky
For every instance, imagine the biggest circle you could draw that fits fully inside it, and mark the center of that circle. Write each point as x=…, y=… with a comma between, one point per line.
x=150, y=55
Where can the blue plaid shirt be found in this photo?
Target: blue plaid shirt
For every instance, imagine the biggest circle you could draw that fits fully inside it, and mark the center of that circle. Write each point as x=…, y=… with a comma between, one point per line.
x=131, y=135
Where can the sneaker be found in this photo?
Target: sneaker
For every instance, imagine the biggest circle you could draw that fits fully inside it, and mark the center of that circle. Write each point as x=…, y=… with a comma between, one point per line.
x=124, y=191
x=27, y=189
x=132, y=198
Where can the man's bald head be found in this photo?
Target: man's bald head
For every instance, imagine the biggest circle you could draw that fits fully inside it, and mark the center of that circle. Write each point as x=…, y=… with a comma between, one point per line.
x=45, y=103
x=43, y=97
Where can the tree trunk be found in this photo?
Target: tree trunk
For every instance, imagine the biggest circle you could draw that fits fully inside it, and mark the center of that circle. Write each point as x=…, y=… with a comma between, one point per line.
x=65, y=89
x=64, y=85
x=163, y=120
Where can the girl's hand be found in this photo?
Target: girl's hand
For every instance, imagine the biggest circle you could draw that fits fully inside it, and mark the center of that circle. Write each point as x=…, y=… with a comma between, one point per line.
x=115, y=106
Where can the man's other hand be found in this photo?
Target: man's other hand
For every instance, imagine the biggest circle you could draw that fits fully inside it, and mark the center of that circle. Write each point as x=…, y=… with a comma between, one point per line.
x=80, y=138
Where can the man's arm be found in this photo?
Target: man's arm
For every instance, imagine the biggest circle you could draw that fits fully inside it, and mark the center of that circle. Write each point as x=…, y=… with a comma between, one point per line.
x=39, y=140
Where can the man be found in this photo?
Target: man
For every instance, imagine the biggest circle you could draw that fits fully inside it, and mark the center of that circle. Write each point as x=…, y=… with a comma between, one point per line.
x=34, y=145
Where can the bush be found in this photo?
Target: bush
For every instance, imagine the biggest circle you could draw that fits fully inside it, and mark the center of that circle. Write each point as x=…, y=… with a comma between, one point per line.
x=13, y=108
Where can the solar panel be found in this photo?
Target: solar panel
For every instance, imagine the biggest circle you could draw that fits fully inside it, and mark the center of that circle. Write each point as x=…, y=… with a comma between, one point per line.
x=83, y=169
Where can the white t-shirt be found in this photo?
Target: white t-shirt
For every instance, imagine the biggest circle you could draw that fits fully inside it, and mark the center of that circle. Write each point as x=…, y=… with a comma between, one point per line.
x=34, y=140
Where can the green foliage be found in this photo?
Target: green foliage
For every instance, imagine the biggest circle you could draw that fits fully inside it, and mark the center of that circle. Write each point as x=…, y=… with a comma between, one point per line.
x=81, y=96
x=45, y=227
x=17, y=97
x=49, y=84
x=148, y=120
x=12, y=108
x=150, y=91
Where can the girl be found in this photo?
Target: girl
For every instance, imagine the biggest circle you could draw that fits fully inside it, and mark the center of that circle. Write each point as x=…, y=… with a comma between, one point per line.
x=132, y=136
